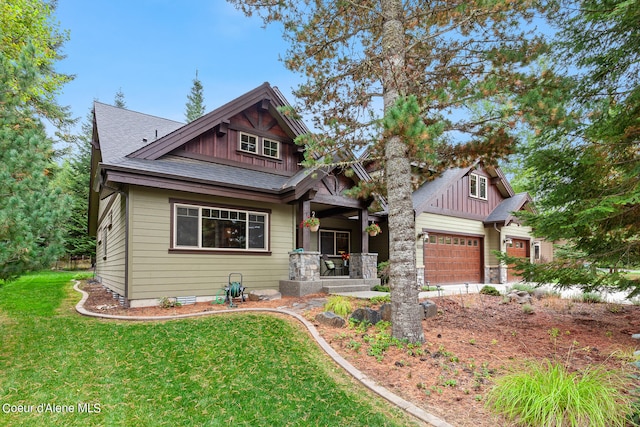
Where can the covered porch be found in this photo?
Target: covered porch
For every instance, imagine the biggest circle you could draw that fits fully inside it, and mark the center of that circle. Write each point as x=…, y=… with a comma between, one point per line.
x=339, y=255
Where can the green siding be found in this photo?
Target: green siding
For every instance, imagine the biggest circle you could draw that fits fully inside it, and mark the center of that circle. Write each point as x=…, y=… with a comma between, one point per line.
x=156, y=273
x=111, y=271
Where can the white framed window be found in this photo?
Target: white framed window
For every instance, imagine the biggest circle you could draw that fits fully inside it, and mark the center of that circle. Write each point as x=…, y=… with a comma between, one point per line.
x=334, y=242
x=478, y=186
x=271, y=148
x=248, y=143
x=217, y=228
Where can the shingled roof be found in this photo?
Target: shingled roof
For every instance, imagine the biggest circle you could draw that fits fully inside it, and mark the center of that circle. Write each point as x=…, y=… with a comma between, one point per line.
x=503, y=213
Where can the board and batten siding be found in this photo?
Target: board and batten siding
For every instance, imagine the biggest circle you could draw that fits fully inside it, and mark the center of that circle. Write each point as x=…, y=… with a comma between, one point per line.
x=156, y=273
x=111, y=271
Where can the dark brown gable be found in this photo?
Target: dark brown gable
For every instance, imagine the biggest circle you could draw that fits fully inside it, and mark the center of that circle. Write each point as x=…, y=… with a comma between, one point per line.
x=256, y=113
x=271, y=147
x=456, y=199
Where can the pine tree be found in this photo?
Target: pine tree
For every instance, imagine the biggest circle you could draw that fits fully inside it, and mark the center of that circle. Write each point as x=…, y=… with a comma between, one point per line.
x=195, y=101
x=73, y=180
x=31, y=210
x=584, y=161
x=453, y=81
x=31, y=22
x=118, y=101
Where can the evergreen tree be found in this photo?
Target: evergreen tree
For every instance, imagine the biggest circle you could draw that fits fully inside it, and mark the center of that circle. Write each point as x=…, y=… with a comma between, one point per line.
x=119, y=99
x=452, y=83
x=195, y=101
x=584, y=161
x=31, y=22
x=31, y=210
x=73, y=179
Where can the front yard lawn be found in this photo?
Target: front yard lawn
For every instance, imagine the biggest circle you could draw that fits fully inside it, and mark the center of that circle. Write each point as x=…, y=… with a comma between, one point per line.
x=59, y=368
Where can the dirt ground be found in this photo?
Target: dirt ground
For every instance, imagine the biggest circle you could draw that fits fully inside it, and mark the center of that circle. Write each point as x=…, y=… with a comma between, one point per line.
x=472, y=340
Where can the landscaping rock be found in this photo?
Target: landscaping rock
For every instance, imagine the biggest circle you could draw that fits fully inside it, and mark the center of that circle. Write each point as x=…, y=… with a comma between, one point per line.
x=521, y=297
x=365, y=314
x=635, y=336
x=329, y=318
x=264, y=295
x=385, y=312
x=430, y=308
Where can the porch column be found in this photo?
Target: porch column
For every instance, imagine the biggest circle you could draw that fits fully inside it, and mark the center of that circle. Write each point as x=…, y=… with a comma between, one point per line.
x=363, y=219
x=304, y=266
x=303, y=233
x=363, y=266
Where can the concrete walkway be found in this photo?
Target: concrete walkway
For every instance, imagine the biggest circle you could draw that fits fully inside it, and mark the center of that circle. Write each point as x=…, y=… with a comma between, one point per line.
x=445, y=290
x=419, y=413
x=474, y=288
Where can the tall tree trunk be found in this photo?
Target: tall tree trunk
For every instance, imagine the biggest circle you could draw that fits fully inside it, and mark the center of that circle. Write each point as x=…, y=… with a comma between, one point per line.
x=406, y=316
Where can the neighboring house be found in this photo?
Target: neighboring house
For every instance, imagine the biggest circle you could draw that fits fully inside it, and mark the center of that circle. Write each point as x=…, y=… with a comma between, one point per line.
x=465, y=215
x=177, y=208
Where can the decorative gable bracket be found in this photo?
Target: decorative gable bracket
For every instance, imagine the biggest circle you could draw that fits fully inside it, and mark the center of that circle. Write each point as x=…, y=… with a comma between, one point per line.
x=222, y=128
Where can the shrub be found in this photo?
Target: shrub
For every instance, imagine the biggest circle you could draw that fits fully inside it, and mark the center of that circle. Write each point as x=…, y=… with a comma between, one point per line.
x=489, y=290
x=546, y=394
x=523, y=287
x=339, y=305
x=380, y=300
x=527, y=309
x=166, y=302
x=591, y=297
x=383, y=272
x=381, y=288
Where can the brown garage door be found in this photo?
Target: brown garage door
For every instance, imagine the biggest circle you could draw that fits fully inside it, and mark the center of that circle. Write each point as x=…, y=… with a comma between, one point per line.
x=518, y=248
x=453, y=259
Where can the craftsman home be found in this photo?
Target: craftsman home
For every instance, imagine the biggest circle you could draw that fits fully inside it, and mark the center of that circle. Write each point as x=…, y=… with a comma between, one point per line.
x=177, y=208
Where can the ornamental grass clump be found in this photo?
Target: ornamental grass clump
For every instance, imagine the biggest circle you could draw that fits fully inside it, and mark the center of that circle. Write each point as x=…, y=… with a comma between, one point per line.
x=339, y=305
x=547, y=394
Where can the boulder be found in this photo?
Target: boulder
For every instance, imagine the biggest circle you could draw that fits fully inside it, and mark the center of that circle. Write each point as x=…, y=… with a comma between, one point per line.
x=521, y=297
x=385, y=312
x=430, y=308
x=365, y=315
x=329, y=318
x=264, y=295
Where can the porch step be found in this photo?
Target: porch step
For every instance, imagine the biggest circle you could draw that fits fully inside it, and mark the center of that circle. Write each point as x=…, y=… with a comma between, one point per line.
x=337, y=285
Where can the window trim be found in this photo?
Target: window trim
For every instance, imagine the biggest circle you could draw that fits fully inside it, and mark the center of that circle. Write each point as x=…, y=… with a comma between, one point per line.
x=335, y=247
x=174, y=248
x=277, y=143
x=240, y=134
x=479, y=181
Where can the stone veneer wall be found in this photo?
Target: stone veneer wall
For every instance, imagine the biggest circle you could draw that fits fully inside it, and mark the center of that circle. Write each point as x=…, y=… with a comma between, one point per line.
x=363, y=266
x=304, y=266
x=495, y=274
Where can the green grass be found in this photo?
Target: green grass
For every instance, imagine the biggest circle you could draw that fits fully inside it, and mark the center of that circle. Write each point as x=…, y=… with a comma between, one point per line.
x=546, y=394
x=240, y=369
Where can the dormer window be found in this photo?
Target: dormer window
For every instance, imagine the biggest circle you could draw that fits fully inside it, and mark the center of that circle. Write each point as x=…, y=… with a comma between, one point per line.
x=248, y=143
x=478, y=186
x=258, y=145
x=271, y=148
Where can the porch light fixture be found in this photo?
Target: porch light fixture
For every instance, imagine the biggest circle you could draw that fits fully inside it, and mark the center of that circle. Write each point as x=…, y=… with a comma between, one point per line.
x=425, y=237
x=508, y=241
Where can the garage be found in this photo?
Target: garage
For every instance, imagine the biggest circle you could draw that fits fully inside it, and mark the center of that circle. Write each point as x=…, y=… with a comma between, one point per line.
x=450, y=258
x=518, y=248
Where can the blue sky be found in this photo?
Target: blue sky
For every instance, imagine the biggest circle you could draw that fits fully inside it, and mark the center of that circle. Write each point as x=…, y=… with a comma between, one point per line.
x=150, y=49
